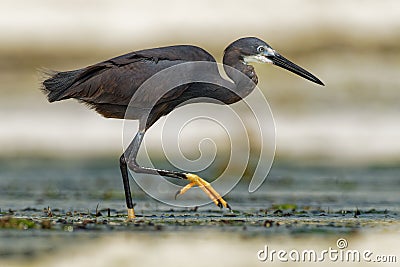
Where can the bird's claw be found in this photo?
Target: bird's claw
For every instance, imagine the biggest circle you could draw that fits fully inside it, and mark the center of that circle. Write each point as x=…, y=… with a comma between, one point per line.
x=206, y=187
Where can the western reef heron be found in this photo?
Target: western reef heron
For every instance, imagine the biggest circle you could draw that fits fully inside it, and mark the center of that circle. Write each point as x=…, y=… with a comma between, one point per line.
x=108, y=88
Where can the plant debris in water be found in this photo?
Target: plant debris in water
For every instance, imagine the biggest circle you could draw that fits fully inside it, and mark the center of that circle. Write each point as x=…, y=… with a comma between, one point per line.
x=293, y=218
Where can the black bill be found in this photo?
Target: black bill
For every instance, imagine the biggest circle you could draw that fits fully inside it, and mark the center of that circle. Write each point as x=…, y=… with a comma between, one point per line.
x=282, y=62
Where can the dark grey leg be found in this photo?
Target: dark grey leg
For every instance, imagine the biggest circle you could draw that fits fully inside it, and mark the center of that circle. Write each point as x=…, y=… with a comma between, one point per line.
x=128, y=159
x=133, y=148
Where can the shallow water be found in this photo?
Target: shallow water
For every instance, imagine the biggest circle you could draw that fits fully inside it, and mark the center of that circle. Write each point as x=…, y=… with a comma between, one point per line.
x=48, y=206
x=83, y=183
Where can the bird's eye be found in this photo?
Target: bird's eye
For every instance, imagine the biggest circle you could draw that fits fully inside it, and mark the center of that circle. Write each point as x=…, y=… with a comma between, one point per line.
x=260, y=49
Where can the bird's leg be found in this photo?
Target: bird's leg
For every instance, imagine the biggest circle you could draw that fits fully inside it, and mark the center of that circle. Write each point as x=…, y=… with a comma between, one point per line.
x=131, y=154
x=127, y=188
x=131, y=150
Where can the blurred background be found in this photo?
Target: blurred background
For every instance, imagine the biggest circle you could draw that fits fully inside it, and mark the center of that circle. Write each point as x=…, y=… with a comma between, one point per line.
x=347, y=133
x=351, y=45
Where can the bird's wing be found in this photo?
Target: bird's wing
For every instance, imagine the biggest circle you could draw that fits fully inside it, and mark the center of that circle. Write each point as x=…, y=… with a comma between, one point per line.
x=170, y=53
x=115, y=81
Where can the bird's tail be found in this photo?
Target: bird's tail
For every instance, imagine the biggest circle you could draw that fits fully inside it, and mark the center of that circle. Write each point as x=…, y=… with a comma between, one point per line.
x=56, y=83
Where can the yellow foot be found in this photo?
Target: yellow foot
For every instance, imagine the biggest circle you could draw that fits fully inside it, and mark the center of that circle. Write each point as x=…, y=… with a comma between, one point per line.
x=206, y=187
x=131, y=214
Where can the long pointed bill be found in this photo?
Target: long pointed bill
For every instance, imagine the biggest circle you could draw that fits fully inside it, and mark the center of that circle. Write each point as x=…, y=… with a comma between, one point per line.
x=282, y=62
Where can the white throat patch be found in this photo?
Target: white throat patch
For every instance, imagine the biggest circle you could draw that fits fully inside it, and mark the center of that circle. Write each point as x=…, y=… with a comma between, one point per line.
x=256, y=59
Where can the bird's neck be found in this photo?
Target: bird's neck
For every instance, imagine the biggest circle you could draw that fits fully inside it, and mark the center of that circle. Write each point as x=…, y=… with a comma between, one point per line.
x=243, y=75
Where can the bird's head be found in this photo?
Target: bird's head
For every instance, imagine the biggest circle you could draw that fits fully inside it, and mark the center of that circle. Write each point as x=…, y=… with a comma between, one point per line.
x=252, y=49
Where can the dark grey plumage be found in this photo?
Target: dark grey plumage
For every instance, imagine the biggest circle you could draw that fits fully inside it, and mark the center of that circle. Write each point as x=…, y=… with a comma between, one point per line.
x=109, y=87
